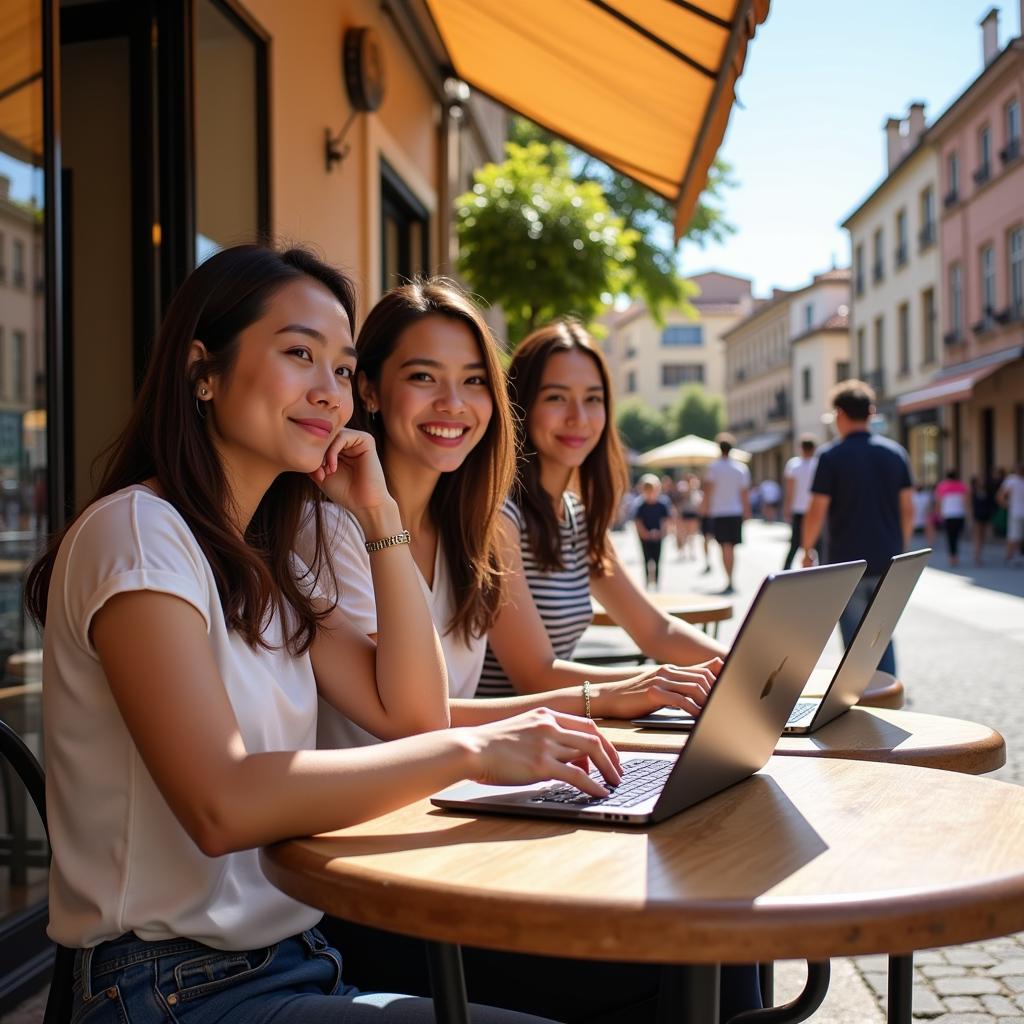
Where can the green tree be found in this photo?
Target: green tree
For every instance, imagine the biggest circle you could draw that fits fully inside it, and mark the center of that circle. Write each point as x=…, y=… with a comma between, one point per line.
x=641, y=427
x=654, y=274
x=695, y=412
x=539, y=243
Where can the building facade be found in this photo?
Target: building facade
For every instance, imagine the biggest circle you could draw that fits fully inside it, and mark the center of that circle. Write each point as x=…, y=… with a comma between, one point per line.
x=894, y=323
x=135, y=140
x=653, y=363
x=977, y=396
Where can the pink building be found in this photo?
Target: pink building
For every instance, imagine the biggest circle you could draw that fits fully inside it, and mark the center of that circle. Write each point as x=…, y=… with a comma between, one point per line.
x=979, y=390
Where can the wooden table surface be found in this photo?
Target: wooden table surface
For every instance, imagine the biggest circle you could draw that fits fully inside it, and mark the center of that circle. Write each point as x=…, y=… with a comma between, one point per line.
x=695, y=608
x=863, y=734
x=810, y=858
x=884, y=690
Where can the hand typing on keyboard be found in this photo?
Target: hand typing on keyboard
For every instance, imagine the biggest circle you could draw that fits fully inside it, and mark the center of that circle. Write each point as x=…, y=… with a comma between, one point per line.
x=684, y=687
x=641, y=779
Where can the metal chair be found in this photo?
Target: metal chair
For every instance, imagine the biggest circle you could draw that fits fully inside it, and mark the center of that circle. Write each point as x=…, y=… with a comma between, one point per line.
x=14, y=751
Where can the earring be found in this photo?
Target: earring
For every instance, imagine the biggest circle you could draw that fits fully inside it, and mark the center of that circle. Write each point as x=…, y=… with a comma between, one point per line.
x=203, y=392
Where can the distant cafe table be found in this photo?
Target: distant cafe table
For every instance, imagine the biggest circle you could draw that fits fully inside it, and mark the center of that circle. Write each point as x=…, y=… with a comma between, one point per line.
x=706, y=610
x=809, y=859
x=862, y=734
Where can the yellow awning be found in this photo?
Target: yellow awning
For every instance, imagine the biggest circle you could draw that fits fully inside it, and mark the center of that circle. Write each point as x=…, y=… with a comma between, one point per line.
x=21, y=79
x=645, y=85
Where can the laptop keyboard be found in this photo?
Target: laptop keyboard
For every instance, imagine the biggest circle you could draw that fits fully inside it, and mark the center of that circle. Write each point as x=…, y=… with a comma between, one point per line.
x=802, y=711
x=641, y=779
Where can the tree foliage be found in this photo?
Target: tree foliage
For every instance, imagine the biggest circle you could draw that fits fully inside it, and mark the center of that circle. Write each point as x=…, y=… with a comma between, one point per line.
x=641, y=427
x=539, y=243
x=695, y=412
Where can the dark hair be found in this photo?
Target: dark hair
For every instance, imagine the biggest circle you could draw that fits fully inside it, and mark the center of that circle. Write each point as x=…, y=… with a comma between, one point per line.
x=725, y=441
x=808, y=442
x=603, y=477
x=854, y=397
x=466, y=503
x=952, y=474
x=167, y=440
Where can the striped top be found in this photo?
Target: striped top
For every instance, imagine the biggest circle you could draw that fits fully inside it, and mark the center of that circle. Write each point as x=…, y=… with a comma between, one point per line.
x=562, y=597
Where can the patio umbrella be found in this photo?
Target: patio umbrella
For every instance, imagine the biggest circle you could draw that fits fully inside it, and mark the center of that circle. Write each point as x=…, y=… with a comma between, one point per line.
x=690, y=450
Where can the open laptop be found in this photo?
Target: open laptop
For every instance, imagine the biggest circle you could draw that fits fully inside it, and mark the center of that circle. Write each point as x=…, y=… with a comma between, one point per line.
x=783, y=634
x=857, y=667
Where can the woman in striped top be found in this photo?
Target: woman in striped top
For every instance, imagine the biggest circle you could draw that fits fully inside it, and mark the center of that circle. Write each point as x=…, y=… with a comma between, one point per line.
x=555, y=545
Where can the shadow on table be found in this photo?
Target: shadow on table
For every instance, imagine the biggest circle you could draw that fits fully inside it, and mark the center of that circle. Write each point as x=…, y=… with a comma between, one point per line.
x=859, y=730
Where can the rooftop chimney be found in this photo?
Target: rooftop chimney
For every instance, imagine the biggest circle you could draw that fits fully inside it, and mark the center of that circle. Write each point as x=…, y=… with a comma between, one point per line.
x=915, y=123
x=990, y=35
x=893, y=142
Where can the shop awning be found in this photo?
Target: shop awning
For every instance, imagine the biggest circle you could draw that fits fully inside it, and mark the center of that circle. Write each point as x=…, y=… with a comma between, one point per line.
x=764, y=442
x=955, y=386
x=645, y=85
x=21, y=79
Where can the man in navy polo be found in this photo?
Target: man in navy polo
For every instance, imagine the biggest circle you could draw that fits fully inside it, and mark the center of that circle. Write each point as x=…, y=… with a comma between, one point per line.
x=863, y=486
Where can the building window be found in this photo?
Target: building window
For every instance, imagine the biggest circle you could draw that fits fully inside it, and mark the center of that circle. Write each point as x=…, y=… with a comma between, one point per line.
x=805, y=383
x=18, y=365
x=875, y=378
x=1016, y=249
x=927, y=234
x=683, y=334
x=858, y=268
x=404, y=230
x=631, y=382
x=956, y=302
x=808, y=316
x=1012, y=122
x=842, y=370
x=878, y=270
x=862, y=350
x=903, y=326
x=18, y=263
x=231, y=161
x=984, y=171
x=952, y=179
x=3, y=259
x=3, y=365
x=901, y=238
x=988, y=281
x=928, y=321
x=674, y=374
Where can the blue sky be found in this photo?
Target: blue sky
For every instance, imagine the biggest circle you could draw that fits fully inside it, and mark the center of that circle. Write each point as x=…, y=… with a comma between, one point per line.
x=806, y=142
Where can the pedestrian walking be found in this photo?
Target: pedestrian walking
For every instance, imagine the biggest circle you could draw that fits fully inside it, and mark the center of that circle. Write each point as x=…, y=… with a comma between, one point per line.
x=798, y=476
x=951, y=501
x=983, y=507
x=727, y=503
x=652, y=518
x=863, y=487
x=689, y=516
x=1011, y=497
x=771, y=495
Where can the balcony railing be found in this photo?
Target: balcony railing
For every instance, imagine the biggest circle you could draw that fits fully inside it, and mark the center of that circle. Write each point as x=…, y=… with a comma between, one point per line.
x=951, y=198
x=952, y=338
x=926, y=236
x=741, y=426
x=986, y=323
x=901, y=256
x=982, y=174
x=1010, y=151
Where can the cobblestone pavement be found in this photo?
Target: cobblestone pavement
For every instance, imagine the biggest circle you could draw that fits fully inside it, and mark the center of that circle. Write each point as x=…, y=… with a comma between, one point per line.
x=960, y=652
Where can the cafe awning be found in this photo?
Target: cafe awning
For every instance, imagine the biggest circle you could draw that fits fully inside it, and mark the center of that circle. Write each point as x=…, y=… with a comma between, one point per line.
x=952, y=387
x=758, y=443
x=645, y=85
x=21, y=79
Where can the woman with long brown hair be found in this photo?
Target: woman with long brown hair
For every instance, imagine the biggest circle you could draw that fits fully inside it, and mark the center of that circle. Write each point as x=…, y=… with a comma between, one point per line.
x=570, y=478
x=185, y=647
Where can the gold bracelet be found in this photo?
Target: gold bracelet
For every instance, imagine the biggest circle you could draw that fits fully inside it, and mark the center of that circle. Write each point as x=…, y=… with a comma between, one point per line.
x=389, y=542
x=586, y=698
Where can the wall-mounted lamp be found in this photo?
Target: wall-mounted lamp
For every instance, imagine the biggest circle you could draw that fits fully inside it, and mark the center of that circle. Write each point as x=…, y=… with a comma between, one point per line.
x=456, y=94
x=362, y=65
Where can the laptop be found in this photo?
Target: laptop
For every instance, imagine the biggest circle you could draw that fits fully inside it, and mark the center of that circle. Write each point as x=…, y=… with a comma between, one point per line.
x=857, y=668
x=778, y=644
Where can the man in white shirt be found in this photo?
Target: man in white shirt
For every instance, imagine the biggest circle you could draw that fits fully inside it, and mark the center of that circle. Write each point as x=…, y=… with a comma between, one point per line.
x=798, y=476
x=1011, y=496
x=727, y=502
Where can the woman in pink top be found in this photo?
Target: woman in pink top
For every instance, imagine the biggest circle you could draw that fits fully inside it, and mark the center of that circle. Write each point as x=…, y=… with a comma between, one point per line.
x=951, y=502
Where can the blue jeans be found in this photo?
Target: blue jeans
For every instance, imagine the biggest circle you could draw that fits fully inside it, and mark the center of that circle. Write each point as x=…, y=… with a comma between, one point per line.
x=854, y=612
x=297, y=981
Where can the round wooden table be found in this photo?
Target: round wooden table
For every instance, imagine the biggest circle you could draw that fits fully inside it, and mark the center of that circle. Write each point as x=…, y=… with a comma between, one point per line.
x=705, y=610
x=862, y=734
x=811, y=858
